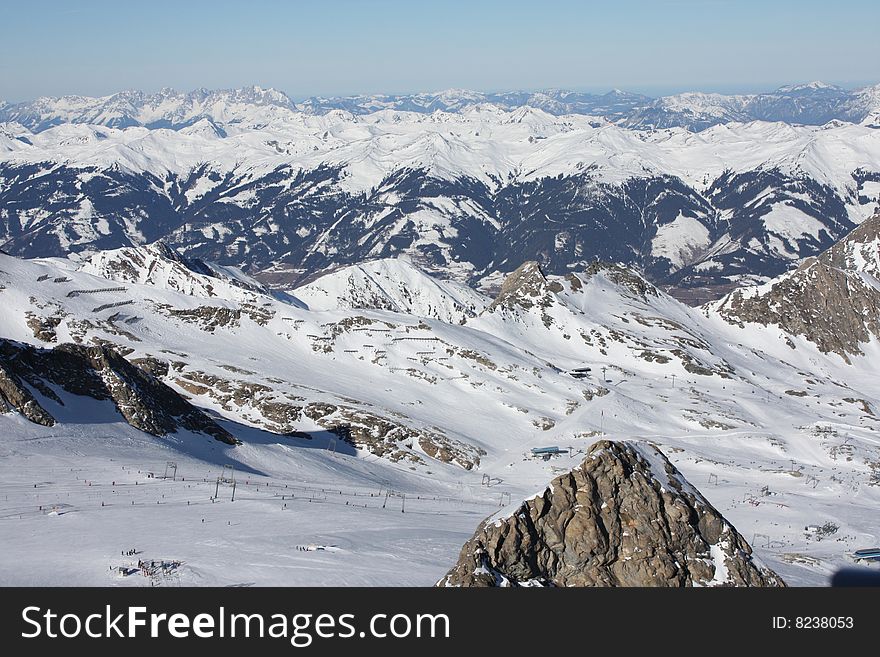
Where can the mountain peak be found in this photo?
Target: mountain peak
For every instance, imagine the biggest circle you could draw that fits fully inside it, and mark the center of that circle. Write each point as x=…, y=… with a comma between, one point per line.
x=598, y=526
x=815, y=85
x=393, y=284
x=623, y=277
x=859, y=250
x=525, y=287
x=693, y=110
x=828, y=299
x=163, y=266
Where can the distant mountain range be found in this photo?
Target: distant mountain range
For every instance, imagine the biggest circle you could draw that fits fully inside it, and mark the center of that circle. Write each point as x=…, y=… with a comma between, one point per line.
x=698, y=191
x=815, y=103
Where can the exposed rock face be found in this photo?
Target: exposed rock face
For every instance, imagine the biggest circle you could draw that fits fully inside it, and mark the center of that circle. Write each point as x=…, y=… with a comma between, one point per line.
x=858, y=251
x=528, y=287
x=101, y=373
x=16, y=397
x=830, y=307
x=283, y=413
x=391, y=439
x=624, y=517
x=525, y=288
x=832, y=301
x=445, y=449
x=275, y=411
x=618, y=274
x=156, y=367
x=208, y=318
x=43, y=327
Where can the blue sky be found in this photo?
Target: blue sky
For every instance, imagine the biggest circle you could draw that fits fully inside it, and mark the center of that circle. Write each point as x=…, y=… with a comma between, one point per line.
x=312, y=47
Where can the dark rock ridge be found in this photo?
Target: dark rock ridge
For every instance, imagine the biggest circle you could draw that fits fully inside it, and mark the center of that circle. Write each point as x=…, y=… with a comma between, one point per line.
x=624, y=517
x=101, y=373
x=832, y=300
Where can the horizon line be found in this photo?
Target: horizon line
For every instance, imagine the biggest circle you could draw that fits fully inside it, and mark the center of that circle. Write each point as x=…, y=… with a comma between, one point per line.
x=757, y=89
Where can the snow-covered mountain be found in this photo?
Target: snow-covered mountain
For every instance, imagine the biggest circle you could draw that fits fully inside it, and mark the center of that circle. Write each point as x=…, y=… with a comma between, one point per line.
x=395, y=285
x=814, y=103
x=166, y=108
x=833, y=300
x=614, y=105
x=161, y=266
x=468, y=195
x=344, y=417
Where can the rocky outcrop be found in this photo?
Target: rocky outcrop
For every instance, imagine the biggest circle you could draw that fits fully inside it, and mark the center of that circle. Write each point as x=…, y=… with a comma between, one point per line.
x=445, y=449
x=208, y=318
x=624, y=517
x=526, y=288
x=43, y=327
x=155, y=366
x=14, y=396
x=619, y=275
x=391, y=439
x=858, y=251
x=101, y=373
x=388, y=436
x=258, y=403
x=833, y=308
x=832, y=300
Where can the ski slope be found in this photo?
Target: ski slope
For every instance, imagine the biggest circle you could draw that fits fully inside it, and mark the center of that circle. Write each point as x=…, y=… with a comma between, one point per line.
x=781, y=439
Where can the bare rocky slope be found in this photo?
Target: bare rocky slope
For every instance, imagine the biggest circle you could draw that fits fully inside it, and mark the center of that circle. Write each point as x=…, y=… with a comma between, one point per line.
x=624, y=517
x=832, y=300
x=101, y=373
